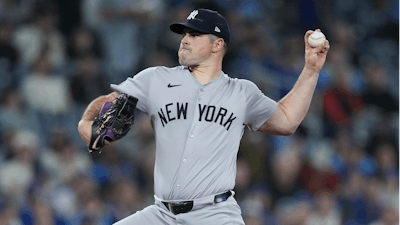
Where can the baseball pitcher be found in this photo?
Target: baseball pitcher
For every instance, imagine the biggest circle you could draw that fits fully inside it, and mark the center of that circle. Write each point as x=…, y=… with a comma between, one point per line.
x=199, y=114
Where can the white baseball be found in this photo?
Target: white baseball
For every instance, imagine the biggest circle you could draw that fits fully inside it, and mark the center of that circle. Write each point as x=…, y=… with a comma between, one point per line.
x=315, y=39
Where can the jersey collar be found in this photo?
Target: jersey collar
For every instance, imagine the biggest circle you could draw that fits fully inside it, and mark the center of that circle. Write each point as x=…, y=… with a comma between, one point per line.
x=221, y=78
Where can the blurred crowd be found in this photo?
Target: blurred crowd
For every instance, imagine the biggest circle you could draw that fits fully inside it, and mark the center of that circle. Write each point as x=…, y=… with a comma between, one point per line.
x=56, y=56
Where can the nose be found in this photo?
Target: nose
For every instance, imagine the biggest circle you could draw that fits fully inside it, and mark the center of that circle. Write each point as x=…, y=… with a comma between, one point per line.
x=184, y=40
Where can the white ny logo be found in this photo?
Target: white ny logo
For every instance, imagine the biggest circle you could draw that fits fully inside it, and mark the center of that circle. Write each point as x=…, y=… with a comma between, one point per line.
x=193, y=14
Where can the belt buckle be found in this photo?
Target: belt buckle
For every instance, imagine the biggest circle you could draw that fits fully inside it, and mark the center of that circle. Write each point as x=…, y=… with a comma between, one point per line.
x=180, y=207
x=171, y=204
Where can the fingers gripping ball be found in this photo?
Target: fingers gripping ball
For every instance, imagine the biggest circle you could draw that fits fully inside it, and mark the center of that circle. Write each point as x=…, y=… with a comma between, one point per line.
x=114, y=121
x=316, y=39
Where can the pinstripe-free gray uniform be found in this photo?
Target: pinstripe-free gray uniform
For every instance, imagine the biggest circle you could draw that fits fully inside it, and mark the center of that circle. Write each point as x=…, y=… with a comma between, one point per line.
x=198, y=129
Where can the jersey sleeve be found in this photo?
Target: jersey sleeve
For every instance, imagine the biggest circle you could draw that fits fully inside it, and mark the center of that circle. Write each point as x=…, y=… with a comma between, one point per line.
x=137, y=86
x=259, y=108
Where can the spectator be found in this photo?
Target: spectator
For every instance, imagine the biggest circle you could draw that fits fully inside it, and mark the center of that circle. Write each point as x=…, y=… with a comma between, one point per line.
x=254, y=61
x=15, y=12
x=18, y=173
x=162, y=58
x=88, y=81
x=292, y=211
x=385, y=154
x=257, y=207
x=340, y=103
x=373, y=196
x=43, y=214
x=343, y=35
x=118, y=25
x=112, y=165
x=125, y=198
x=95, y=211
x=8, y=53
x=243, y=179
x=352, y=158
x=326, y=211
x=141, y=137
x=377, y=94
x=389, y=217
x=9, y=215
x=389, y=194
x=41, y=37
x=64, y=162
x=82, y=42
x=16, y=114
x=42, y=83
x=352, y=200
x=8, y=56
x=284, y=174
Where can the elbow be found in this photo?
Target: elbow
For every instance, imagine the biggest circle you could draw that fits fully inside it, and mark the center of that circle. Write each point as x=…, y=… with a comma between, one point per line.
x=289, y=130
x=287, y=133
x=80, y=126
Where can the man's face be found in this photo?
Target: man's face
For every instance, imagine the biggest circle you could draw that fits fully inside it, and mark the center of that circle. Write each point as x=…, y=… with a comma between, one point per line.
x=195, y=48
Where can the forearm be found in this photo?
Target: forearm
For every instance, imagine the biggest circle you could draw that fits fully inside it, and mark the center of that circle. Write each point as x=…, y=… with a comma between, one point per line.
x=297, y=102
x=85, y=124
x=294, y=106
x=94, y=108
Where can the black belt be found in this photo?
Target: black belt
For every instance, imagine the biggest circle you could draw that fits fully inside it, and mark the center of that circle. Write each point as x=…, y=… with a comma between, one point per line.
x=186, y=206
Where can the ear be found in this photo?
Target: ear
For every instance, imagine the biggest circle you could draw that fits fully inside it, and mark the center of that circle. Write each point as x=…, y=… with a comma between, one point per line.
x=218, y=45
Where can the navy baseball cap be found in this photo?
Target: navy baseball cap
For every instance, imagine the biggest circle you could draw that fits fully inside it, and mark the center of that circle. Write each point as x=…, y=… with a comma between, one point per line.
x=206, y=21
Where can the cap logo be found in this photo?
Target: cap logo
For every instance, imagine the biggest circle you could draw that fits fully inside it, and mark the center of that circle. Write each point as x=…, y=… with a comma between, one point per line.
x=217, y=29
x=193, y=14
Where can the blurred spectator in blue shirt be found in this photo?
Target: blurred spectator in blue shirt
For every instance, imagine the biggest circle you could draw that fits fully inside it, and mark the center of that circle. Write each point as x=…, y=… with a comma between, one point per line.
x=112, y=166
x=40, y=212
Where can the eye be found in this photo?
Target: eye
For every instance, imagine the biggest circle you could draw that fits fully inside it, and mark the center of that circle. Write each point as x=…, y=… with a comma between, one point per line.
x=191, y=34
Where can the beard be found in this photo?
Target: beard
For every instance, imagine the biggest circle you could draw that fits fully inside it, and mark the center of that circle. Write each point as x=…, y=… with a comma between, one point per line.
x=183, y=57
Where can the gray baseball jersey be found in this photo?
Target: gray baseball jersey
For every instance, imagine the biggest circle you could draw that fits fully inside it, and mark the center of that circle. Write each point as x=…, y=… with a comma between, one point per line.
x=198, y=127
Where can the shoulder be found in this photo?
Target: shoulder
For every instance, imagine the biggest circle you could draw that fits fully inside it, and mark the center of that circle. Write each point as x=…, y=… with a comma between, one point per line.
x=244, y=84
x=247, y=84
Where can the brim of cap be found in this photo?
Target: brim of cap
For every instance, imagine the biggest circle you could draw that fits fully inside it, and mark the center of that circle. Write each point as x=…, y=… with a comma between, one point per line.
x=178, y=28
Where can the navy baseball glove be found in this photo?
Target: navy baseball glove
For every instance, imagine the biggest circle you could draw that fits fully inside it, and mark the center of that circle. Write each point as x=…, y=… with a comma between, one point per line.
x=114, y=121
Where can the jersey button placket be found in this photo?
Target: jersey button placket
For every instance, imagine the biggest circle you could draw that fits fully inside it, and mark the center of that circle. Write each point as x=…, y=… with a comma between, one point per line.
x=201, y=91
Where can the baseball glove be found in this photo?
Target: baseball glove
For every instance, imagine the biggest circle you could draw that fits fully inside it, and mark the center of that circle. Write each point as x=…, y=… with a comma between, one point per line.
x=114, y=121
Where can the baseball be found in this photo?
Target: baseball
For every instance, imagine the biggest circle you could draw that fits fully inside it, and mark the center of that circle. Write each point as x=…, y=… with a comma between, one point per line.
x=315, y=39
